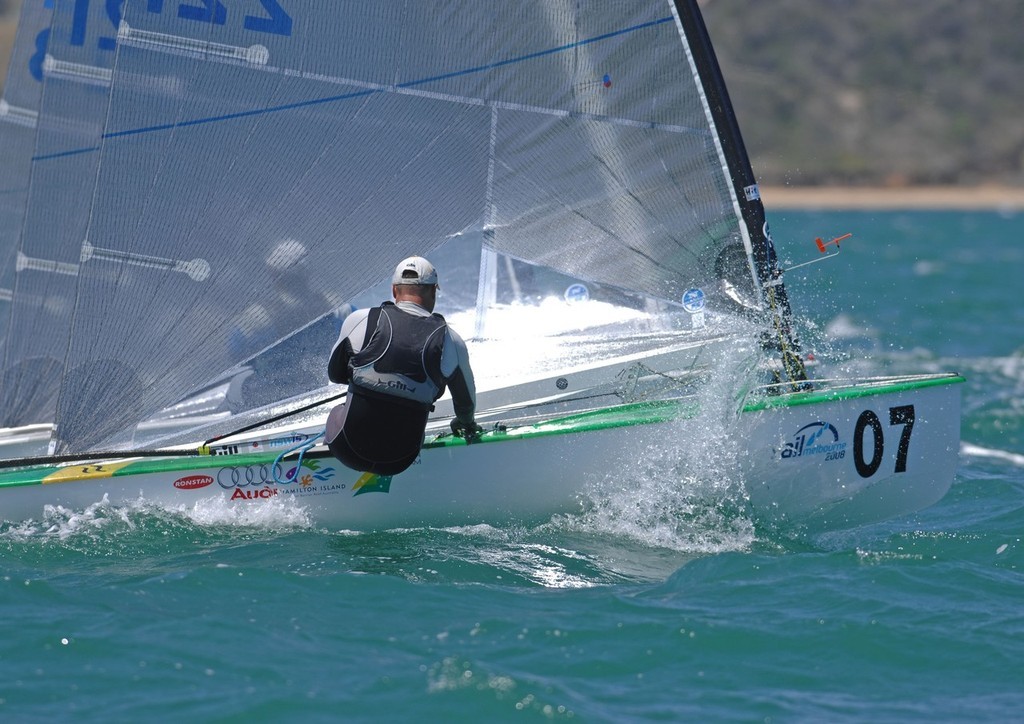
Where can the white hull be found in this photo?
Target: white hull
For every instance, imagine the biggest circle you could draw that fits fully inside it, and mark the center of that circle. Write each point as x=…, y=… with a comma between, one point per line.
x=825, y=488
x=533, y=472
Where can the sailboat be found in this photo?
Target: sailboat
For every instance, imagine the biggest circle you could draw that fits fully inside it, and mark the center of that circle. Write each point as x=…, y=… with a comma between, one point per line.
x=576, y=172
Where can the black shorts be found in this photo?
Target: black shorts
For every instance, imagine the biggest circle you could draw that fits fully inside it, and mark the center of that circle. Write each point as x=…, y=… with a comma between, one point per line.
x=376, y=435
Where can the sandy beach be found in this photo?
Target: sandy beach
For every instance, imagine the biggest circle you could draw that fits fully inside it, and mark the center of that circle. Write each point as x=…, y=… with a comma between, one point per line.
x=1000, y=198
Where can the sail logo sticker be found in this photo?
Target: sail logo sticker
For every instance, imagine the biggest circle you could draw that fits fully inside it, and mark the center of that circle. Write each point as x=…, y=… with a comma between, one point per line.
x=577, y=293
x=694, y=300
x=193, y=482
x=817, y=438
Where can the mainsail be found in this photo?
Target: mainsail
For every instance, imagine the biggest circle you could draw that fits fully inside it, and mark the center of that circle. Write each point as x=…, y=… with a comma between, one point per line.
x=261, y=163
x=19, y=114
x=74, y=57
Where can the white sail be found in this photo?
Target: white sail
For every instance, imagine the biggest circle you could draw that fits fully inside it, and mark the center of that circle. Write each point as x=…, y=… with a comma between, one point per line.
x=19, y=117
x=77, y=56
x=262, y=163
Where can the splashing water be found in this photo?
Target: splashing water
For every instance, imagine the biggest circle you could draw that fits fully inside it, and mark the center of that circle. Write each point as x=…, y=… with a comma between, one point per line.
x=104, y=520
x=682, y=491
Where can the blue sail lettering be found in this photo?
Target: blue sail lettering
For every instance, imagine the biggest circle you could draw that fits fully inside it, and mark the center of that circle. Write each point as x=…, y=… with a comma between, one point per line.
x=279, y=22
x=113, y=8
x=35, y=63
x=276, y=20
x=79, y=21
x=213, y=11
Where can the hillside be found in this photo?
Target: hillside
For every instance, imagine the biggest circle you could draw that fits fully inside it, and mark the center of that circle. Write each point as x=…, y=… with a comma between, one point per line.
x=862, y=92
x=876, y=91
x=8, y=17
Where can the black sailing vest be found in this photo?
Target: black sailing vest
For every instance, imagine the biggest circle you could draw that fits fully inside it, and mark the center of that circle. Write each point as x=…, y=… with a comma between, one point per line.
x=402, y=357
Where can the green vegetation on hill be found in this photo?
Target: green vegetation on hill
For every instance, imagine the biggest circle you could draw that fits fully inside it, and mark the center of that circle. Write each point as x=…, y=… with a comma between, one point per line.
x=875, y=91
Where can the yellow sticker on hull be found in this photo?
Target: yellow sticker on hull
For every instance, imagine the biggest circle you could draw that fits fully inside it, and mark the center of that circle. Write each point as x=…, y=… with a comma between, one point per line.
x=85, y=472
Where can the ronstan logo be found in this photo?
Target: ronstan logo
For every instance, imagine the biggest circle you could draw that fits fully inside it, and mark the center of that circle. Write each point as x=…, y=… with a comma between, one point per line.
x=193, y=482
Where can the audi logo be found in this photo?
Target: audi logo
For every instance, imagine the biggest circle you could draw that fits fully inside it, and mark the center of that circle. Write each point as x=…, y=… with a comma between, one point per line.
x=240, y=477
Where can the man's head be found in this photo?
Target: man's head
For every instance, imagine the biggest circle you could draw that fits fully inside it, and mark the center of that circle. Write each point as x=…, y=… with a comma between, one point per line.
x=415, y=280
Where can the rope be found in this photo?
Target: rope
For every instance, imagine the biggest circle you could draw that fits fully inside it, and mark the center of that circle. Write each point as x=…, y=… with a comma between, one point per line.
x=303, y=447
x=261, y=423
x=95, y=455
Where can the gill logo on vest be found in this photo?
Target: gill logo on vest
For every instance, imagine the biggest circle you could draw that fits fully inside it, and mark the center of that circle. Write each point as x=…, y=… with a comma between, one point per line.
x=402, y=356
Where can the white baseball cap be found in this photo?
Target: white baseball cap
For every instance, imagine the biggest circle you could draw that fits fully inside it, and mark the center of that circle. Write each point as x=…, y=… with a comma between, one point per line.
x=415, y=270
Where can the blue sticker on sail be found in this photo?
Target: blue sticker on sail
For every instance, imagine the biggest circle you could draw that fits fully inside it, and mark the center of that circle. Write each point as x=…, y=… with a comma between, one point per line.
x=577, y=293
x=693, y=300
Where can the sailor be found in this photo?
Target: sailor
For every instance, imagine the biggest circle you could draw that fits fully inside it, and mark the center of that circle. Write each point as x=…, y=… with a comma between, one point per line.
x=397, y=359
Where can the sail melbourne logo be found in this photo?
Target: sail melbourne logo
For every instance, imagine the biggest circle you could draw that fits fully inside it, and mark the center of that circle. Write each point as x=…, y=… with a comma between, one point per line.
x=818, y=438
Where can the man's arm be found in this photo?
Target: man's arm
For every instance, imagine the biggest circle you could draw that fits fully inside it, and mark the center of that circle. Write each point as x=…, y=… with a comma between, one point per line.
x=350, y=341
x=461, y=382
x=463, y=396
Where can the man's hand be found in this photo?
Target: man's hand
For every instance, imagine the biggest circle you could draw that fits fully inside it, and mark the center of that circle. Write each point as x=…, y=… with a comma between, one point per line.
x=470, y=433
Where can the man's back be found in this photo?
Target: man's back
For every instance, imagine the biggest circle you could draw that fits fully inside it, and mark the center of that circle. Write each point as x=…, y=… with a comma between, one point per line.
x=397, y=359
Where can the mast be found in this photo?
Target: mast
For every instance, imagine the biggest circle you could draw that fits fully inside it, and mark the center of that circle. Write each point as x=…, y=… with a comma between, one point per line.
x=487, y=288
x=745, y=191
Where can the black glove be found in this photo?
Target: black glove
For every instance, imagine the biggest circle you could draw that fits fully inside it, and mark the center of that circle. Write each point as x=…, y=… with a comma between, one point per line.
x=470, y=433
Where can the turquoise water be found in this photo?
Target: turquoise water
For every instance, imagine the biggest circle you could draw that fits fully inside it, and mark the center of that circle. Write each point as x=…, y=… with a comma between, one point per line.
x=678, y=610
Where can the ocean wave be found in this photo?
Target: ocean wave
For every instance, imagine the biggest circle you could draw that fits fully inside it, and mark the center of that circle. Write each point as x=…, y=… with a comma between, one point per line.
x=967, y=448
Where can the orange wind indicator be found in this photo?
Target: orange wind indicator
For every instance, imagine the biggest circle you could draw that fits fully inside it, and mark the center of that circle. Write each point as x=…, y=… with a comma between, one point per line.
x=823, y=248
x=822, y=244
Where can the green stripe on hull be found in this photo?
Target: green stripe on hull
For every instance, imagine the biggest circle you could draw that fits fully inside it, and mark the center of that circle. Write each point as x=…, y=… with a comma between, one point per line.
x=607, y=418
x=640, y=413
x=36, y=475
x=25, y=476
x=883, y=387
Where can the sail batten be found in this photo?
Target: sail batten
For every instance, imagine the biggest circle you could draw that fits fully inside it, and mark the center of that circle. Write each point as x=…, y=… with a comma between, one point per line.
x=193, y=47
x=79, y=72
x=27, y=117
